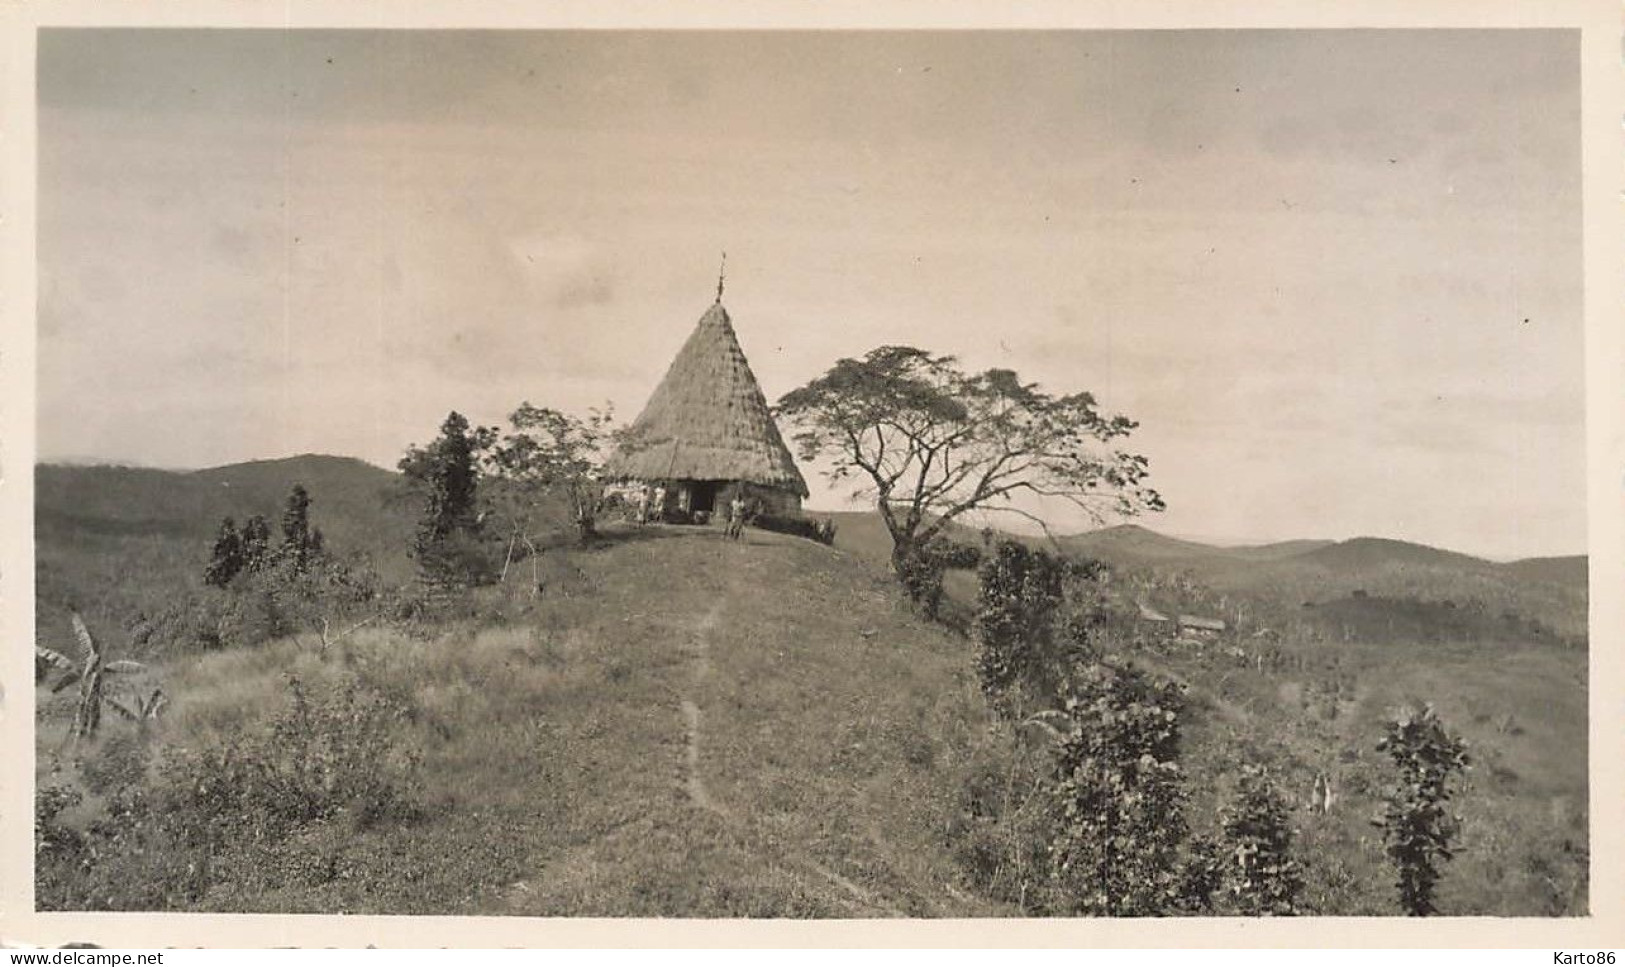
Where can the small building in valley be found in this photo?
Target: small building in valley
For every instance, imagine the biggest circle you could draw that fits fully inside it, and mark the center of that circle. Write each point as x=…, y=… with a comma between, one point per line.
x=1155, y=621
x=1191, y=625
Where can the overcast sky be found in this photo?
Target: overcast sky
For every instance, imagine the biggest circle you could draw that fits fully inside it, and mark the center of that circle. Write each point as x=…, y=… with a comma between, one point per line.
x=1336, y=276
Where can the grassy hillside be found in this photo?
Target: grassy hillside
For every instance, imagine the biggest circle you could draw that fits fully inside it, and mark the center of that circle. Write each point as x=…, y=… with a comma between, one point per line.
x=682, y=726
x=685, y=726
x=1520, y=707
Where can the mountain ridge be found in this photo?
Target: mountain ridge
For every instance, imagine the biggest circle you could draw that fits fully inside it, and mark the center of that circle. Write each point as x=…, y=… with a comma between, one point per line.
x=1136, y=543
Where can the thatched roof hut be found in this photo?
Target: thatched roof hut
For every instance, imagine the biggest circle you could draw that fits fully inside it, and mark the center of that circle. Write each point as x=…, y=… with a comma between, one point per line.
x=707, y=427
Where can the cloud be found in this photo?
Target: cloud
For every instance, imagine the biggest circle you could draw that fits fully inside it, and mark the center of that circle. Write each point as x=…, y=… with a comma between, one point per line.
x=571, y=271
x=443, y=220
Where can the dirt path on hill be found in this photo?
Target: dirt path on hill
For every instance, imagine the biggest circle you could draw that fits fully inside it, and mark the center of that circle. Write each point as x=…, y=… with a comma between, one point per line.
x=700, y=647
x=693, y=783
x=697, y=617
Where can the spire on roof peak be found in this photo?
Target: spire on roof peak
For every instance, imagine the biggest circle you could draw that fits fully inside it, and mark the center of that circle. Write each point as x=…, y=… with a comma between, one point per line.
x=721, y=275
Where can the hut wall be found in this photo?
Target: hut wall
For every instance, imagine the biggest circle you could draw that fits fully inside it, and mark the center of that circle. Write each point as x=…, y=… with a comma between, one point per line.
x=767, y=500
x=773, y=501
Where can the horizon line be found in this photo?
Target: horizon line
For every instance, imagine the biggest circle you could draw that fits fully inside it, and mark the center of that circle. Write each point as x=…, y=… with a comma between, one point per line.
x=1224, y=542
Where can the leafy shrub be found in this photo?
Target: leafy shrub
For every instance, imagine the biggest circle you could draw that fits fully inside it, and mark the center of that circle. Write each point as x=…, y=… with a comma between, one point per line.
x=1039, y=617
x=1015, y=618
x=283, y=597
x=120, y=762
x=953, y=554
x=1264, y=879
x=1112, y=826
x=333, y=754
x=254, y=812
x=1201, y=876
x=1418, y=830
x=1119, y=799
x=270, y=592
x=921, y=577
x=56, y=844
x=1094, y=624
x=813, y=530
x=458, y=560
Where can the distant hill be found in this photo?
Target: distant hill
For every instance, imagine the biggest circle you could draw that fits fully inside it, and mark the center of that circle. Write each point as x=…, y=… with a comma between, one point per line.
x=1365, y=553
x=1550, y=591
x=112, y=542
x=1573, y=570
x=861, y=534
x=1133, y=543
x=136, y=499
x=1277, y=550
x=313, y=469
x=1284, y=575
x=118, y=527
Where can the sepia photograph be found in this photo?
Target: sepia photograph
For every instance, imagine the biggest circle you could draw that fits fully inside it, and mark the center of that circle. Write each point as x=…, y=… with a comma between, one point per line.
x=797, y=474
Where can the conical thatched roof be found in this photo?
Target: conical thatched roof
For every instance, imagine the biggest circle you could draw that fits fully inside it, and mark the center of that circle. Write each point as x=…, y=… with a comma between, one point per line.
x=708, y=420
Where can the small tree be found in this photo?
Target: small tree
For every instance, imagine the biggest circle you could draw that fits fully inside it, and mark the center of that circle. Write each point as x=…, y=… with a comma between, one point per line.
x=301, y=544
x=226, y=560
x=931, y=443
x=446, y=472
x=1119, y=798
x=89, y=674
x=549, y=454
x=1416, y=824
x=290, y=598
x=1263, y=877
x=256, y=543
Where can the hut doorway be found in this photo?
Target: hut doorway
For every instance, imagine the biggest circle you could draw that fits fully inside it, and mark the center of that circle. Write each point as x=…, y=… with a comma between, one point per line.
x=703, y=496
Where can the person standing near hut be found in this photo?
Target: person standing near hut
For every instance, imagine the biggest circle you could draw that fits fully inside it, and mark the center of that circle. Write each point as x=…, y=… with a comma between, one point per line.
x=736, y=516
x=658, y=510
x=643, y=505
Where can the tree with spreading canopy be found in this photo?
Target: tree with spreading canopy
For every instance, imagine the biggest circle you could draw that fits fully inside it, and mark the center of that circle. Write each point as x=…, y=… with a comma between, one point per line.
x=930, y=443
